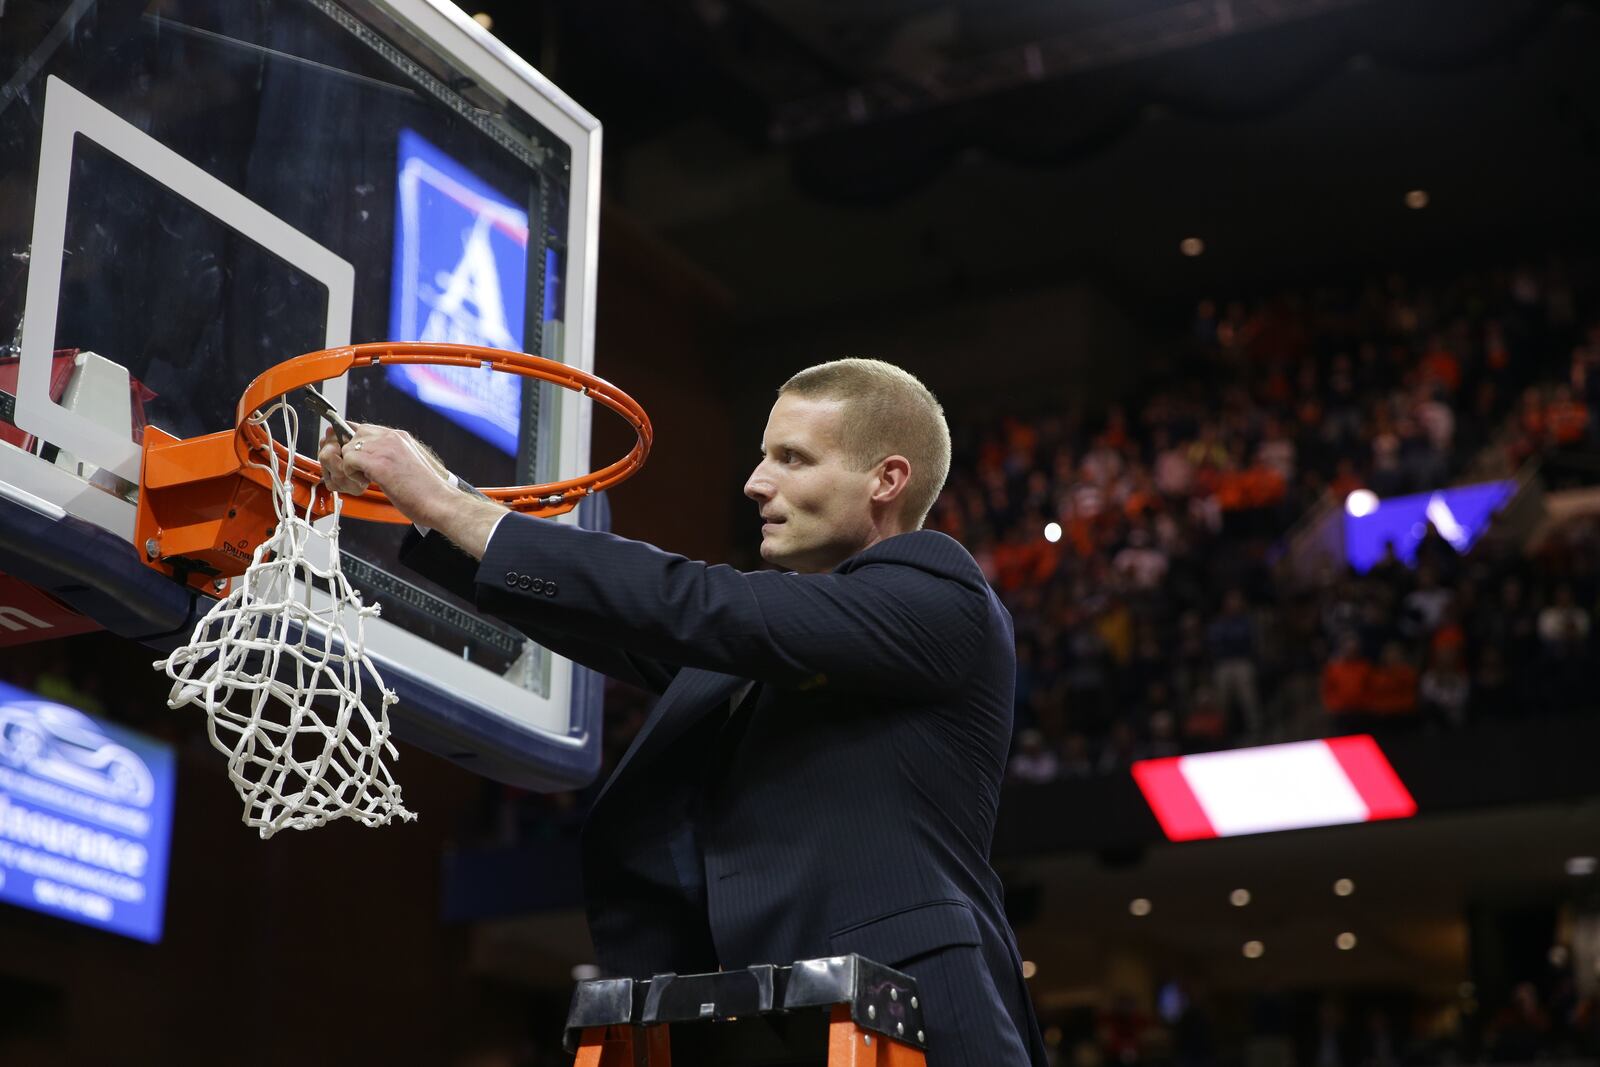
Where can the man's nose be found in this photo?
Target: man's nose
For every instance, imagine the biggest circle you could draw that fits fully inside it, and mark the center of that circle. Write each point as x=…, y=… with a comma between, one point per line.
x=758, y=486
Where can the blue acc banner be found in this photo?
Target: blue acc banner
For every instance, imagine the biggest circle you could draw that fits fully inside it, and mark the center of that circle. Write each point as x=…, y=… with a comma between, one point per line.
x=460, y=276
x=1462, y=515
x=85, y=816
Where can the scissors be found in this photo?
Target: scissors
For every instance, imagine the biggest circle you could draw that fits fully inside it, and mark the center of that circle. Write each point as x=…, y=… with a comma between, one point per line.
x=320, y=405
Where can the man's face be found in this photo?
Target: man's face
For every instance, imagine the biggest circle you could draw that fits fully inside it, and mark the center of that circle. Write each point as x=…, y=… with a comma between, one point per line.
x=816, y=512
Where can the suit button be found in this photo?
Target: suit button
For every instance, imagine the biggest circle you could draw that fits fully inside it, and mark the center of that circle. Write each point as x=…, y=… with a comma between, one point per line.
x=538, y=585
x=511, y=578
x=550, y=587
x=525, y=582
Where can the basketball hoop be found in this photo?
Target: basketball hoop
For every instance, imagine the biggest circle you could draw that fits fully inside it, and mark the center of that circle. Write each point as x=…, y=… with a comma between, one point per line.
x=205, y=503
x=282, y=677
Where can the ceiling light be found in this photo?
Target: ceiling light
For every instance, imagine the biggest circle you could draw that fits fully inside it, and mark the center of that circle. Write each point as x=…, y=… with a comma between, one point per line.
x=1582, y=866
x=1239, y=897
x=1346, y=941
x=1139, y=906
x=1052, y=532
x=1417, y=199
x=1191, y=246
x=1029, y=968
x=1343, y=887
x=1361, y=503
x=1253, y=950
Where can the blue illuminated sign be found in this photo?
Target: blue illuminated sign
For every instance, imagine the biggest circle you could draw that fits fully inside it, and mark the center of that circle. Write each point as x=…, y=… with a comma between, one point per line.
x=1461, y=514
x=85, y=816
x=460, y=276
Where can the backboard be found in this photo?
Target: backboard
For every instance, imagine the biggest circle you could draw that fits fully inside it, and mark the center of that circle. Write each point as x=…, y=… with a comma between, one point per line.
x=194, y=190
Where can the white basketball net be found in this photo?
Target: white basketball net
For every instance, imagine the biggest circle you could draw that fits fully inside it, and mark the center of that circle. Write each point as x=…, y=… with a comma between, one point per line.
x=261, y=658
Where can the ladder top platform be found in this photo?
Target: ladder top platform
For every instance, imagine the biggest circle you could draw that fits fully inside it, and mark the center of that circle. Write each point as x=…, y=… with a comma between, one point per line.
x=881, y=1000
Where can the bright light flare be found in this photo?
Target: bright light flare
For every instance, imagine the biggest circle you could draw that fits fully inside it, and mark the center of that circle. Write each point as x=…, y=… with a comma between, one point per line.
x=1361, y=503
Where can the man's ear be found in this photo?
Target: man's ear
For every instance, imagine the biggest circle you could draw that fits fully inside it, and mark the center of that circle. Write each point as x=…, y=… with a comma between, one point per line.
x=894, y=474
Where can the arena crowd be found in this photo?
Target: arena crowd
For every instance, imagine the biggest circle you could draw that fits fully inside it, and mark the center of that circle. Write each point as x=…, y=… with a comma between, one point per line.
x=1143, y=551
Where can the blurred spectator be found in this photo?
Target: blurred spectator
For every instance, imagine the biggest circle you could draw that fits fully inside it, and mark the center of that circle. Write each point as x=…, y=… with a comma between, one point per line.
x=1392, y=686
x=1564, y=643
x=1141, y=564
x=1390, y=569
x=1345, y=679
x=1033, y=762
x=1423, y=609
x=1438, y=554
x=1444, y=690
x=1563, y=627
x=1231, y=638
x=1332, y=1045
x=1518, y=1031
x=1075, y=761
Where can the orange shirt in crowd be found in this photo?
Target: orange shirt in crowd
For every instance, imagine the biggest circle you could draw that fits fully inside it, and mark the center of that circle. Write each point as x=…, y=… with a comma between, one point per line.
x=1140, y=501
x=1449, y=635
x=1080, y=534
x=1258, y=487
x=1030, y=562
x=1022, y=438
x=1205, y=724
x=1440, y=365
x=1533, y=420
x=1392, y=689
x=1567, y=421
x=1344, y=684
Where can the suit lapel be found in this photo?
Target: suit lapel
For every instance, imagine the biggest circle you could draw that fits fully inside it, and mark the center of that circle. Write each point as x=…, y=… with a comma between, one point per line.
x=692, y=695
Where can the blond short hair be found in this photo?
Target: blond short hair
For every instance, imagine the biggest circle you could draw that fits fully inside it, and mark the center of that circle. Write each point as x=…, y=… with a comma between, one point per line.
x=887, y=412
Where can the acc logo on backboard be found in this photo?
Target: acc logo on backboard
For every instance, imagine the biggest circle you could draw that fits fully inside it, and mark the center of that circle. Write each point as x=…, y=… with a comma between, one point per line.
x=460, y=276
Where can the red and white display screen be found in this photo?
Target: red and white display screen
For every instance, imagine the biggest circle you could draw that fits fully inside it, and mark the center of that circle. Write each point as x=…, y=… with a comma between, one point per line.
x=1273, y=787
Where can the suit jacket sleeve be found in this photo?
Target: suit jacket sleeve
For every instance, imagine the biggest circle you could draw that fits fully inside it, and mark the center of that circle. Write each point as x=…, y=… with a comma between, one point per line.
x=907, y=616
x=436, y=558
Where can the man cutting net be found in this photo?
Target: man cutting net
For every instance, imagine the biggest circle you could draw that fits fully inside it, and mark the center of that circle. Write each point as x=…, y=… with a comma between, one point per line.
x=821, y=772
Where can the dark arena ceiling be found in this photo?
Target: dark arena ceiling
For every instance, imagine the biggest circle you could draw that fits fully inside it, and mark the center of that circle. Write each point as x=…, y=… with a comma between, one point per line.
x=816, y=154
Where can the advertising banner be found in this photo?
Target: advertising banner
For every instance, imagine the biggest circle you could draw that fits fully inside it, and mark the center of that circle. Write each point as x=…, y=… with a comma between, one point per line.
x=85, y=816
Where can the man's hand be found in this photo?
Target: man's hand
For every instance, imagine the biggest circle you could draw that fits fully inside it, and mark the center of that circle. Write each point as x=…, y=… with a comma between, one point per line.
x=414, y=480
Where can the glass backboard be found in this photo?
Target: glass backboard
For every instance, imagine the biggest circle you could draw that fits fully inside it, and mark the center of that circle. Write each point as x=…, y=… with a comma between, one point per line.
x=194, y=190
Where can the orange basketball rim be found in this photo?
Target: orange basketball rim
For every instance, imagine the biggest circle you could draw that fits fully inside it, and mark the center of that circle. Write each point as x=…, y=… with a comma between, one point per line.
x=205, y=503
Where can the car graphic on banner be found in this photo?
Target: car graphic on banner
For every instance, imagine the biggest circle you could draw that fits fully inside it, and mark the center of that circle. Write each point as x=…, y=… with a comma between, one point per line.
x=64, y=745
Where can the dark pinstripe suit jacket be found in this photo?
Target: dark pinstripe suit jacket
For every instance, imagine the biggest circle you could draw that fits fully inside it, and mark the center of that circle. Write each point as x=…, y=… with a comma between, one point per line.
x=852, y=807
